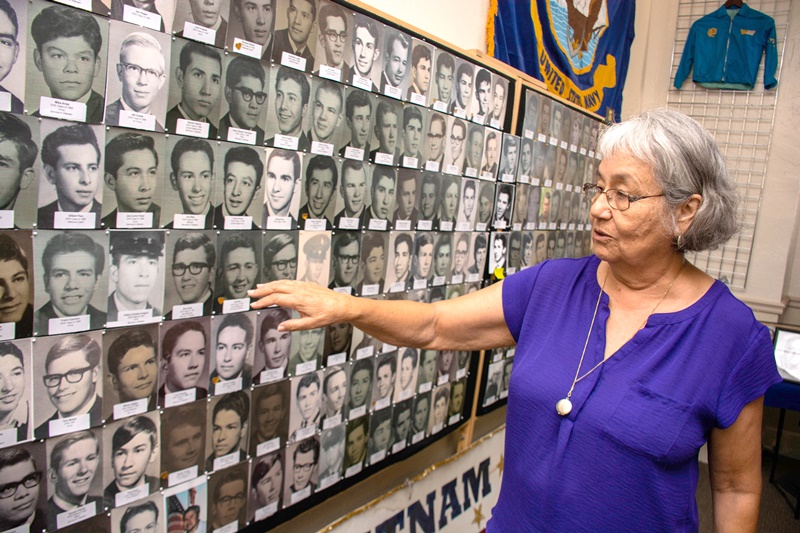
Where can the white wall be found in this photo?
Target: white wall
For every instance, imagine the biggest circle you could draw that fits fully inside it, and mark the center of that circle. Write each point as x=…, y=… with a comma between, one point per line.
x=459, y=22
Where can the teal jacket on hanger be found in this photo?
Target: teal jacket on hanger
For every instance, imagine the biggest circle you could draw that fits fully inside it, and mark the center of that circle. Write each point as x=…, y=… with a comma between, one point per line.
x=725, y=49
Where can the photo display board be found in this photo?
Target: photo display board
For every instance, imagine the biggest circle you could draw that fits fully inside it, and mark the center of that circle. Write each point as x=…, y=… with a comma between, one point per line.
x=164, y=159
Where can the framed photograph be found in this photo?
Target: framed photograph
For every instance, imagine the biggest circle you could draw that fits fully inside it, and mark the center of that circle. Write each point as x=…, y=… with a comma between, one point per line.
x=360, y=390
x=345, y=259
x=185, y=361
x=480, y=246
x=206, y=24
x=545, y=117
x=228, y=420
x=139, y=67
x=86, y=448
x=435, y=140
x=50, y=89
x=131, y=379
x=131, y=462
x=412, y=136
x=510, y=158
x=467, y=212
x=503, y=206
x=419, y=417
x=195, y=87
x=448, y=202
x=491, y=155
x=295, y=39
x=68, y=388
x=66, y=203
x=306, y=405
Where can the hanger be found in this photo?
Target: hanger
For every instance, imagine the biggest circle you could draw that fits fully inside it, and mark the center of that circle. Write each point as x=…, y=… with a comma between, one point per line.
x=735, y=4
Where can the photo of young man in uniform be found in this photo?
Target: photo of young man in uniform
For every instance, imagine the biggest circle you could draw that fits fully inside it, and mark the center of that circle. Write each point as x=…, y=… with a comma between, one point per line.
x=321, y=179
x=333, y=39
x=132, y=177
x=358, y=119
x=141, y=73
x=184, y=359
x=233, y=353
x=9, y=52
x=134, y=271
x=72, y=381
x=255, y=19
x=315, y=257
x=332, y=456
x=242, y=172
x=196, y=85
x=207, y=14
x=134, y=452
x=229, y=416
x=132, y=366
x=194, y=262
x=291, y=96
x=68, y=54
x=296, y=39
x=192, y=178
x=73, y=466
x=245, y=94
x=71, y=165
x=73, y=269
x=366, y=51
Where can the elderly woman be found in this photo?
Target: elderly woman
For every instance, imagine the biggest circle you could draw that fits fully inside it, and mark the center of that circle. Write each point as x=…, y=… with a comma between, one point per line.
x=627, y=361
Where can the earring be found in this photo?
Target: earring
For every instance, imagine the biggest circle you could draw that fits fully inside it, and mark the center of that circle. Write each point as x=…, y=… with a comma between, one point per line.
x=679, y=244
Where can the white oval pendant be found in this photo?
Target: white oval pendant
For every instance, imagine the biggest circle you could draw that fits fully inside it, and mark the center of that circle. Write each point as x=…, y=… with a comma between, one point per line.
x=564, y=407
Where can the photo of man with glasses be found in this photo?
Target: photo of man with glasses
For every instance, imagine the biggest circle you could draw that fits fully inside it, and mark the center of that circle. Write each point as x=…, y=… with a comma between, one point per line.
x=228, y=500
x=74, y=464
x=454, y=158
x=434, y=142
x=305, y=461
x=280, y=256
x=141, y=71
x=193, y=267
x=20, y=488
x=245, y=81
x=344, y=267
x=333, y=35
x=72, y=383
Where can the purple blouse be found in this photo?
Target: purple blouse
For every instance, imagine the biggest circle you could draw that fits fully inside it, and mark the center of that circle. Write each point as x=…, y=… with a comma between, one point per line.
x=625, y=458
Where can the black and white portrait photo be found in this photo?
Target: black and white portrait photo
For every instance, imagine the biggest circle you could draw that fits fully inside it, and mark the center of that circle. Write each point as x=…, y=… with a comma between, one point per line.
x=286, y=119
x=498, y=252
x=23, y=470
x=295, y=39
x=132, y=459
x=238, y=270
x=269, y=420
x=331, y=461
x=320, y=183
x=399, y=258
x=352, y=200
x=74, y=477
x=382, y=198
x=13, y=23
x=450, y=188
x=497, y=118
x=366, y=57
x=338, y=341
x=384, y=381
x=408, y=366
x=503, y=206
x=380, y=435
x=360, y=390
x=314, y=261
x=335, y=41
x=243, y=115
x=142, y=515
x=357, y=131
x=388, y=122
x=307, y=347
x=232, y=362
x=266, y=486
x=70, y=182
x=16, y=273
x=250, y=27
x=356, y=440
x=306, y=411
x=345, y=259
x=19, y=183
x=439, y=408
x=435, y=141
x=195, y=87
x=464, y=81
x=473, y=158
x=334, y=395
x=374, y=261
x=510, y=158
x=136, y=276
x=131, y=364
x=396, y=69
x=454, y=152
x=228, y=422
x=69, y=386
x=185, y=360
x=531, y=116
x=280, y=255
x=134, y=177
x=482, y=95
x=202, y=20
x=491, y=155
x=401, y=424
x=444, y=76
x=282, y=189
x=16, y=412
x=70, y=295
x=191, y=271
x=238, y=189
x=60, y=37
x=480, y=246
x=412, y=136
x=188, y=503
x=188, y=200
x=136, y=88
x=406, y=213
x=419, y=416
x=302, y=467
x=421, y=72
x=183, y=442
x=326, y=117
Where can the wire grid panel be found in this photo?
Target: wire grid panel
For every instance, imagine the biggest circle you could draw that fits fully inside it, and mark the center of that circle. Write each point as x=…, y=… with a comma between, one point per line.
x=741, y=122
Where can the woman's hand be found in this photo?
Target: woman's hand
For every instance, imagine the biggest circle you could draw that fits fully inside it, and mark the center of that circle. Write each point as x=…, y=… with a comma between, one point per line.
x=318, y=306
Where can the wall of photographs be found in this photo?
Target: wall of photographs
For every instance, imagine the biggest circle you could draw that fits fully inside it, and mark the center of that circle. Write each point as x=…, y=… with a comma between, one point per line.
x=159, y=159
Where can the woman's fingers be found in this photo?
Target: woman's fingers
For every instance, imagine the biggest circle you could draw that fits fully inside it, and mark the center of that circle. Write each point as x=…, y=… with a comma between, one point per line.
x=318, y=306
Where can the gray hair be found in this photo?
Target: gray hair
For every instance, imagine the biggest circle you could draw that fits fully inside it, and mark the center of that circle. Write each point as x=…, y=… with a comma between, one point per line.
x=145, y=41
x=685, y=160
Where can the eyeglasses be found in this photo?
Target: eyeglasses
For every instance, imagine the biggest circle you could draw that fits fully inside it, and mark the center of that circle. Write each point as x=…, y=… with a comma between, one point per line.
x=435, y=135
x=178, y=269
x=73, y=376
x=456, y=140
x=226, y=500
x=7, y=490
x=136, y=71
x=333, y=36
x=617, y=199
x=281, y=265
x=305, y=468
x=350, y=259
x=248, y=95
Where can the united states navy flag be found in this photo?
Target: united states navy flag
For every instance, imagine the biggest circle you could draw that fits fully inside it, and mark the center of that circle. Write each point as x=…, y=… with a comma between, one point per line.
x=579, y=48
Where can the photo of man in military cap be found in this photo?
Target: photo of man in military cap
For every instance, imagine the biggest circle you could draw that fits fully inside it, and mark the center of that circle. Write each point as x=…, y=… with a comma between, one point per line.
x=315, y=256
x=134, y=271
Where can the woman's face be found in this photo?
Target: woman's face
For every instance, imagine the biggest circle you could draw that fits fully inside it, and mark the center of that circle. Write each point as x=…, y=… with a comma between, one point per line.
x=636, y=235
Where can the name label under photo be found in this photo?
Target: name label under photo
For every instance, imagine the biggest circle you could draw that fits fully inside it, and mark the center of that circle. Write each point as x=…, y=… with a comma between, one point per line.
x=140, y=121
x=5, y=101
x=235, y=305
x=189, y=221
x=62, y=426
x=131, y=408
x=199, y=33
x=419, y=99
x=238, y=222
x=266, y=511
x=247, y=48
x=134, y=220
x=7, y=331
x=226, y=460
x=224, y=387
x=136, y=317
x=330, y=73
x=192, y=128
x=63, y=109
x=238, y=135
x=73, y=516
x=67, y=324
x=180, y=397
x=70, y=220
x=273, y=374
x=293, y=61
x=321, y=148
x=140, y=17
x=362, y=83
x=354, y=153
x=181, y=476
x=187, y=311
x=129, y=496
x=8, y=437
x=268, y=446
